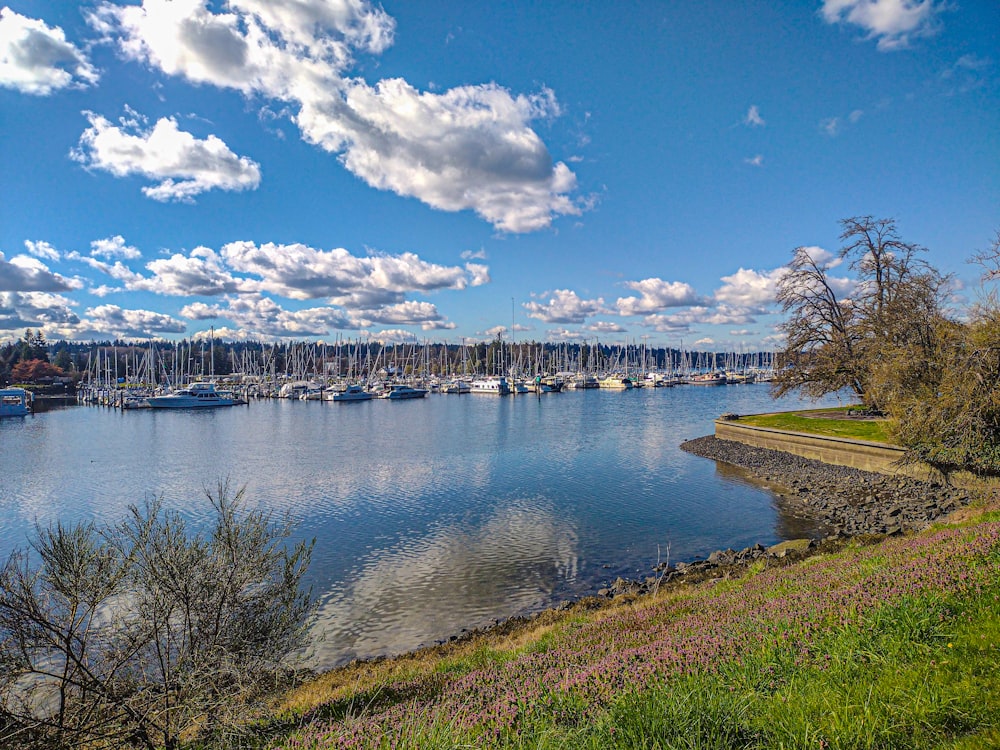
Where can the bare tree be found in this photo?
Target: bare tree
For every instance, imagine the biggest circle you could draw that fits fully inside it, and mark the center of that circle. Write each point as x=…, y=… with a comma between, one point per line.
x=893, y=306
x=136, y=634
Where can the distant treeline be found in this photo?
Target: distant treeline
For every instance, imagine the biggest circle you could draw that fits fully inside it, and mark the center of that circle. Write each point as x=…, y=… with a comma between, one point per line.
x=166, y=360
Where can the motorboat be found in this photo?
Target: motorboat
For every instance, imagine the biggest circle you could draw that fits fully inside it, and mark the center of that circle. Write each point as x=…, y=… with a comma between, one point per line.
x=195, y=396
x=616, y=382
x=456, y=386
x=399, y=392
x=352, y=393
x=497, y=386
x=708, y=378
x=15, y=402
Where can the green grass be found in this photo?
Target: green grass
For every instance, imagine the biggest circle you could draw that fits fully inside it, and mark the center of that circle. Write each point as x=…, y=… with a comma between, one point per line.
x=813, y=423
x=916, y=669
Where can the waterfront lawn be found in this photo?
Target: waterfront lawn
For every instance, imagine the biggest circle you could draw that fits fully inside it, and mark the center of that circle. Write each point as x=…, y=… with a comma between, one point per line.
x=893, y=645
x=818, y=422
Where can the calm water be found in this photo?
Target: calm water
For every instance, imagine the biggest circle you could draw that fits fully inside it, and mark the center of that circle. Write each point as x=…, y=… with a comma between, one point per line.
x=430, y=515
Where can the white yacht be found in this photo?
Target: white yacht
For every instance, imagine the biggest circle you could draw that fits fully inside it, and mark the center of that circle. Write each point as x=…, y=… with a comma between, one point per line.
x=352, y=393
x=498, y=386
x=195, y=396
x=397, y=392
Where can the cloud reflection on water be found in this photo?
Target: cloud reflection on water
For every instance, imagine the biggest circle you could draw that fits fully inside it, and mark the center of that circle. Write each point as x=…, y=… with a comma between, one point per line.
x=426, y=588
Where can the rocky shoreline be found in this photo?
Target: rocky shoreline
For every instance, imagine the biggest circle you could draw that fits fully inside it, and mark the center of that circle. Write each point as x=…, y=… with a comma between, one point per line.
x=848, y=502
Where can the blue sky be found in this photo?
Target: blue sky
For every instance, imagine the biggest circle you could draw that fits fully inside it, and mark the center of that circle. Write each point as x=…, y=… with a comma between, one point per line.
x=438, y=171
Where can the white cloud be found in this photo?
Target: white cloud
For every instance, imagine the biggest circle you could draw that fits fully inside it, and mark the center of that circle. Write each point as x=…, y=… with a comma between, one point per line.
x=830, y=126
x=750, y=289
x=753, y=118
x=699, y=315
x=467, y=148
x=894, y=23
x=302, y=272
x=23, y=273
x=182, y=166
x=34, y=309
x=605, y=326
x=113, y=320
x=202, y=272
x=474, y=254
x=114, y=247
x=403, y=313
x=392, y=336
x=704, y=342
x=36, y=58
x=564, y=306
x=41, y=249
x=755, y=161
x=261, y=315
x=564, y=334
x=656, y=295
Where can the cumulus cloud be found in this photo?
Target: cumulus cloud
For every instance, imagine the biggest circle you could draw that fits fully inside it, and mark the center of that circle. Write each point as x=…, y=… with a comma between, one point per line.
x=41, y=249
x=392, y=336
x=753, y=118
x=656, y=295
x=182, y=166
x=698, y=315
x=605, y=326
x=132, y=323
x=34, y=309
x=564, y=334
x=114, y=247
x=302, y=272
x=36, y=58
x=202, y=272
x=22, y=273
x=262, y=315
x=474, y=254
x=750, y=289
x=467, y=148
x=893, y=23
x=403, y=313
x=564, y=306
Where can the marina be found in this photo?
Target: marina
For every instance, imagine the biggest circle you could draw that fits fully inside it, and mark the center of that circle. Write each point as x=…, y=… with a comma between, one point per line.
x=450, y=513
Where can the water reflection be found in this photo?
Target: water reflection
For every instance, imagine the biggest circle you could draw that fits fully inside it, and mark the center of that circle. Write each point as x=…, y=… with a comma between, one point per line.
x=429, y=515
x=458, y=576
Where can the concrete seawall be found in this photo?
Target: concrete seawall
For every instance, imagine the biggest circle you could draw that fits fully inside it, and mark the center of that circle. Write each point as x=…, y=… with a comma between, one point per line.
x=857, y=454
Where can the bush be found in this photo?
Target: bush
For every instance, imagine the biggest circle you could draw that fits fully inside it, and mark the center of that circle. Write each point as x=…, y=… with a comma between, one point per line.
x=141, y=633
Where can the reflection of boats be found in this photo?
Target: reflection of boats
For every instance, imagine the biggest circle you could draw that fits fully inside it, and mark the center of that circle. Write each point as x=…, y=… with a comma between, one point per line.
x=498, y=386
x=352, y=393
x=397, y=392
x=195, y=396
x=15, y=402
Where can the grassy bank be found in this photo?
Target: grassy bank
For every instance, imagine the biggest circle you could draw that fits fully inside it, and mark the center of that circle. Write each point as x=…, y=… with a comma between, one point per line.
x=889, y=645
x=823, y=422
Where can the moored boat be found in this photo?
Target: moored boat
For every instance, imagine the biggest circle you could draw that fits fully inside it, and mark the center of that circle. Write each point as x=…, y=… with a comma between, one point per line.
x=195, y=396
x=616, y=382
x=708, y=378
x=398, y=392
x=15, y=402
x=352, y=393
x=497, y=386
